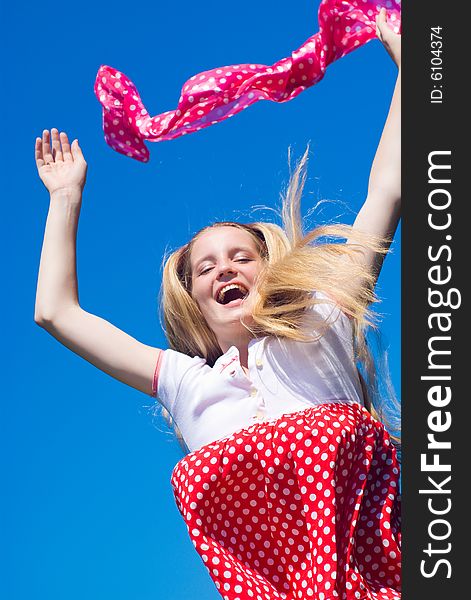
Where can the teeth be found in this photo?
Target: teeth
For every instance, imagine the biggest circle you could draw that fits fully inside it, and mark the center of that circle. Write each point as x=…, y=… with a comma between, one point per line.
x=226, y=288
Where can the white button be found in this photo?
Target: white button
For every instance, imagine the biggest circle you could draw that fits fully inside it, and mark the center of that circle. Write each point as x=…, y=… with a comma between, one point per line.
x=253, y=392
x=259, y=363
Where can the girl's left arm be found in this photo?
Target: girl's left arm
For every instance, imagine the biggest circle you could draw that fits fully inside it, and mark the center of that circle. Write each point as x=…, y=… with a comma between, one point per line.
x=380, y=213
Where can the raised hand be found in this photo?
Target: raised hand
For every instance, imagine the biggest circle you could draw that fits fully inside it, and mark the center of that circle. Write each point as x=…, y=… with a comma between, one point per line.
x=61, y=165
x=390, y=40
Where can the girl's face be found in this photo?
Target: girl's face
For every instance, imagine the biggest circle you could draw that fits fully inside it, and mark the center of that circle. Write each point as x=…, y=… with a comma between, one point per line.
x=224, y=265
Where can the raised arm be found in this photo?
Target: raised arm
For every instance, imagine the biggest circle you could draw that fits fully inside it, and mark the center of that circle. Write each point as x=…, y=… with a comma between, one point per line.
x=380, y=212
x=62, y=169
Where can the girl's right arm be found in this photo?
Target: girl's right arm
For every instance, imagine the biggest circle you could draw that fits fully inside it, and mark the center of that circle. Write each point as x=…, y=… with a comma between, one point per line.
x=62, y=169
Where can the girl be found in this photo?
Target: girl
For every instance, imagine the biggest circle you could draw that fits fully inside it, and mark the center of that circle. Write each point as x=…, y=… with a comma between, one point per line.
x=290, y=489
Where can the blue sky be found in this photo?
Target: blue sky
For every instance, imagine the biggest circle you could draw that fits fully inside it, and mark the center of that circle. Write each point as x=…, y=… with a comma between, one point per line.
x=88, y=505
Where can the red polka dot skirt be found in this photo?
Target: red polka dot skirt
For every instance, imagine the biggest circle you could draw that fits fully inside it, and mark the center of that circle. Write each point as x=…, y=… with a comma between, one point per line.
x=304, y=506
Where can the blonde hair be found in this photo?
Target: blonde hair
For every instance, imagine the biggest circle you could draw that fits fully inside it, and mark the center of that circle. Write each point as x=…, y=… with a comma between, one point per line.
x=295, y=264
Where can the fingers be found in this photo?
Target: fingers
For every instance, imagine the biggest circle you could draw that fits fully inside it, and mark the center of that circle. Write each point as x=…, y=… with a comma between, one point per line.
x=76, y=151
x=56, y=146
x=382, y=15
x=38, y=152
x=46, y=144
x=66, y=151
x=389, y=36
x=381, y=20
x=385, y=30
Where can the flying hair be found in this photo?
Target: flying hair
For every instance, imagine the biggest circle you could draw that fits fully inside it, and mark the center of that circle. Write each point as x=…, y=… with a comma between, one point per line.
x=295, y=264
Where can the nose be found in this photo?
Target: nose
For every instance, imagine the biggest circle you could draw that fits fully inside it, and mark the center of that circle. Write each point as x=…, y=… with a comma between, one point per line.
x=226, y=270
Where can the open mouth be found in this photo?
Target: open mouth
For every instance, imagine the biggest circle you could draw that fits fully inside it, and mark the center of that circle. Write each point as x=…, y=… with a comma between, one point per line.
x=231, y=292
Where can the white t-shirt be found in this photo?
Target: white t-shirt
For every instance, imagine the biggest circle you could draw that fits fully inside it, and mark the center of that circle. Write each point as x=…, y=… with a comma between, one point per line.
x=285, y=376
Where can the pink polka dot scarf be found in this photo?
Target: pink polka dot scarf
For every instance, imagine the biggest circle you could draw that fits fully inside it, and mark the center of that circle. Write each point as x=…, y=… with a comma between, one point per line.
x=215, y=95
